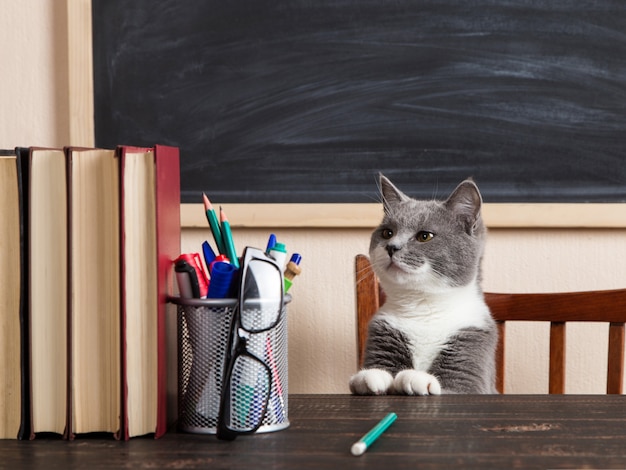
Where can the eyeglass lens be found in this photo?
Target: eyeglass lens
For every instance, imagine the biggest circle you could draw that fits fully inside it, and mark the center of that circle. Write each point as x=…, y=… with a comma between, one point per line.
x=250, y=387
x=262, y=296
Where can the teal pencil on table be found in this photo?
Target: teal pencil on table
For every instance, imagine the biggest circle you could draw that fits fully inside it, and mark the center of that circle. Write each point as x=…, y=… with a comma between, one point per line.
x=227, y=238
x=214, y=224
x=360, y=446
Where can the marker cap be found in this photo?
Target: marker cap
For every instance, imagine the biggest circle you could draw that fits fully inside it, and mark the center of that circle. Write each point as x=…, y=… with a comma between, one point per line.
x=222, y=276
x=279, y=253
x=278, y=246
x=296, y=258
x=270, y=242
x=218, y=259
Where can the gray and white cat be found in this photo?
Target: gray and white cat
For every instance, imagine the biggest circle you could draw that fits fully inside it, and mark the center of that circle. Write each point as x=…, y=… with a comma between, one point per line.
x=434, y=334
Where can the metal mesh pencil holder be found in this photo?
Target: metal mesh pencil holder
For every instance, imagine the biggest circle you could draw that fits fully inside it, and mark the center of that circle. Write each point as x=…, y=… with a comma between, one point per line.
x=203, y=335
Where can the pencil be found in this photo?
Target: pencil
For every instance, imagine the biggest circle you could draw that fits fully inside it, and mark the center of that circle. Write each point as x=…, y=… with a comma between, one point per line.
x=360, y=446
x=227, y=238
x=214, y=224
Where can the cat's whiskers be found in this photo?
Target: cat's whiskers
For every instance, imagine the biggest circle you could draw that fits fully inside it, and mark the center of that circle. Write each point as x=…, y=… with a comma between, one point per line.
x=363, y=274
x=435, y=191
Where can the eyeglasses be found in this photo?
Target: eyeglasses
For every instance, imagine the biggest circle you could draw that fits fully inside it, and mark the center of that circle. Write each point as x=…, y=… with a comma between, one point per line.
x=247, y=384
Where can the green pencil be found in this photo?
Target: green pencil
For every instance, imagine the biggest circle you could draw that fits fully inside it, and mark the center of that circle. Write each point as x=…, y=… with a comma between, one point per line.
x=214, y=224
x=360, y=446
x=227, y=238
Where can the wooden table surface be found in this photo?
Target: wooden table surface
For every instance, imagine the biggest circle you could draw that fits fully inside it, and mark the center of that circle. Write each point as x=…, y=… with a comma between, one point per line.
x=454, y=431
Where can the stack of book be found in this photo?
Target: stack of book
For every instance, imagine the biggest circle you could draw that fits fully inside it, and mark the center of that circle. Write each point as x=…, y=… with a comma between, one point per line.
x=87, y=245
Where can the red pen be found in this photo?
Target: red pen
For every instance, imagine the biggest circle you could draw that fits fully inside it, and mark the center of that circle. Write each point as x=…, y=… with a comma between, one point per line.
x=193, y=259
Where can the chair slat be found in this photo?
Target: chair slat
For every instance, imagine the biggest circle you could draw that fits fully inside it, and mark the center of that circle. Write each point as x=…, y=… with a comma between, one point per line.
x=500, y=357
x=557, y=358
x=615, y=363
x=367, y=300
x=594, y=306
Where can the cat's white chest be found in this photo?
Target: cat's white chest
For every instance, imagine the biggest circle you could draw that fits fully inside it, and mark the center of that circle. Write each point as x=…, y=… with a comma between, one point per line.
x=428, y=322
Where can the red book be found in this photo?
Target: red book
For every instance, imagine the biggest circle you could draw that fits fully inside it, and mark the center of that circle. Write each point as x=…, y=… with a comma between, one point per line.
x=150, y=242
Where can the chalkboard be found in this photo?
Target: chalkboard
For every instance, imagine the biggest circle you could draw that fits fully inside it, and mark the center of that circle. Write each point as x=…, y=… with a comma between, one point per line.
x=307, y=101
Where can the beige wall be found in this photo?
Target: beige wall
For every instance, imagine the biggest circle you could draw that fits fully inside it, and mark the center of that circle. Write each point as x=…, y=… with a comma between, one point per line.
x=322, y=341
x=34, y=87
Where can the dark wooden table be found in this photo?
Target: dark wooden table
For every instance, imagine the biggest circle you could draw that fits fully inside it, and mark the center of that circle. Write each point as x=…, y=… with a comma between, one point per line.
x=497, y=431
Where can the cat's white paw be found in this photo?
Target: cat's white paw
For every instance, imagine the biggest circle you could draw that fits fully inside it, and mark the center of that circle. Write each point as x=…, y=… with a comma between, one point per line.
x=371, y=382
x=416, y=382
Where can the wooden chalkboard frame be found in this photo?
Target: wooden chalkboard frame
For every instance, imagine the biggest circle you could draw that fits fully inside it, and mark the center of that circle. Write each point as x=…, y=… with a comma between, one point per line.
x=497, y=215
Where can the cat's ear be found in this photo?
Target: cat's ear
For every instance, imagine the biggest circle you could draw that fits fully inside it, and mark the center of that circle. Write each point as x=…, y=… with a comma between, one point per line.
x=390, y=194
x=466, y=201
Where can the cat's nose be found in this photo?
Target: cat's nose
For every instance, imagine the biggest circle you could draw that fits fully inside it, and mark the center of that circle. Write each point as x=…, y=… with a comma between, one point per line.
x=391, y=249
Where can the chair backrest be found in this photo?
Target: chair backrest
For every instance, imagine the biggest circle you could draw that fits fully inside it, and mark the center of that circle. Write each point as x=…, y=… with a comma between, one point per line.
x=557, y=308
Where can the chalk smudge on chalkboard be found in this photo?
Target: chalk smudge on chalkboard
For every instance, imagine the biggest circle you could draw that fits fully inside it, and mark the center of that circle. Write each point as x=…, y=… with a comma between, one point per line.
x=300, y=101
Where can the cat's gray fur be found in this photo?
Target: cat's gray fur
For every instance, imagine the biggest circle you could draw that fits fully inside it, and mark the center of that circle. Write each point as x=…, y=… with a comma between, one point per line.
x=434, y=334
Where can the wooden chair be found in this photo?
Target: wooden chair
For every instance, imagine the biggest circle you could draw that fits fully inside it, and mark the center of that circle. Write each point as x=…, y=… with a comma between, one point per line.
x=557, y=308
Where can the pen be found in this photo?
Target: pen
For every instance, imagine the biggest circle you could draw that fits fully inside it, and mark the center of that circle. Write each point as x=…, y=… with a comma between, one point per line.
x=292, y=270
x=209, y=255
x=360, y=446
x=279, y=253
x=227, y=236
x=214, y=224
x=201, y=279
x=187, y=280
x=218, y=259
x=270, y=243
x=222, y=277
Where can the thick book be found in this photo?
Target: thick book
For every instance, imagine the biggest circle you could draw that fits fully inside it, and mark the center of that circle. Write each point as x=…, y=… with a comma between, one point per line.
x=13, y=303
x=150, y=228
x=45, y=215
x=94, y=313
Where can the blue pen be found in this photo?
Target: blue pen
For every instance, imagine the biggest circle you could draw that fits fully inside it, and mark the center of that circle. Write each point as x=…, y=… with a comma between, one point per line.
x=292, y=270
x=270, y=243
x=209, y=255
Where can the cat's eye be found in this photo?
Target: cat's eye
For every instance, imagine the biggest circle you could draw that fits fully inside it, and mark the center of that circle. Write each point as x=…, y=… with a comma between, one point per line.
x=386, y=233
x=424, y=236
